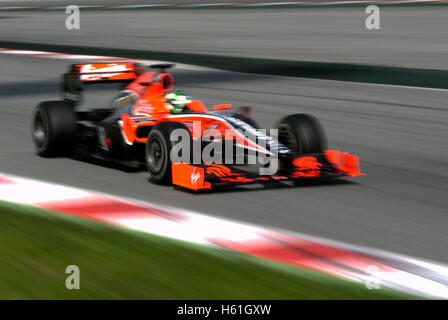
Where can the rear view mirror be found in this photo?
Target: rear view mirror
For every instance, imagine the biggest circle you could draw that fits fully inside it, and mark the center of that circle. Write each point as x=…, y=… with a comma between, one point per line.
x=222, y=107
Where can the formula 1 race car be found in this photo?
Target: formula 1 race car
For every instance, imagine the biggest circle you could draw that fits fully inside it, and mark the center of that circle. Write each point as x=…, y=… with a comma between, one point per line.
x=179, y=140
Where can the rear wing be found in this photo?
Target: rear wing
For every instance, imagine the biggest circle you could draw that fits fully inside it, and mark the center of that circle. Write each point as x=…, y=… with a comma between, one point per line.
x=80, y=74
x=105, y=72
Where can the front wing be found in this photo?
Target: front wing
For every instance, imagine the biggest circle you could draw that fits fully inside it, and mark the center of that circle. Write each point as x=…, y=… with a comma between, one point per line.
x=330, y=164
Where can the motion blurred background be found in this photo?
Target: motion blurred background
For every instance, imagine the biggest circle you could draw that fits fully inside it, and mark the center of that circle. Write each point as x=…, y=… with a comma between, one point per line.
x=399, y=131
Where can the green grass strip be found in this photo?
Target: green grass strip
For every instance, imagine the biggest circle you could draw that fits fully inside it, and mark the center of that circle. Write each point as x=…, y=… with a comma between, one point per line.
x=115, y=263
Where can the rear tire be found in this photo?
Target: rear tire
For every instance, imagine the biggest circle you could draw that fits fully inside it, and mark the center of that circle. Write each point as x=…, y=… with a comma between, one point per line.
x=302, y=134
x=158, y=150
x=54, y=126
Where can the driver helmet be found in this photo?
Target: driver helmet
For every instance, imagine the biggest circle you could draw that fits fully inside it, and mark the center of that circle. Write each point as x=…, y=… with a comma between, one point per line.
x=176, y=101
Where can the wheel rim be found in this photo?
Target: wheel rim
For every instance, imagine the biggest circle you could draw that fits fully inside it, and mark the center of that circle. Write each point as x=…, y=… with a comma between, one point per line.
x=40, y=131
x=287, y=137
x=156, y=155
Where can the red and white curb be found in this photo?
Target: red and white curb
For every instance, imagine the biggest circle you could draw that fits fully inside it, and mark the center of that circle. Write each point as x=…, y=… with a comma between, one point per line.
x=230, y=5
x=81, y=57
x=337, y=259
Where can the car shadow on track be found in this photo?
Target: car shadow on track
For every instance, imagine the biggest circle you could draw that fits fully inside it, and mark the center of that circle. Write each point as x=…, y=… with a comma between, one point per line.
x=272, y=186
x=107, y=164
x=308, y=183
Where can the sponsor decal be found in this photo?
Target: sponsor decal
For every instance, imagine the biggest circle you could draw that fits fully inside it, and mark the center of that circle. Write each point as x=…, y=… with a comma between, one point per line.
x=95, y=72
x=194, y=177
x=110, y=67
x=142, y=119
x=307, y=163
x=307, y=167
x=219, y=170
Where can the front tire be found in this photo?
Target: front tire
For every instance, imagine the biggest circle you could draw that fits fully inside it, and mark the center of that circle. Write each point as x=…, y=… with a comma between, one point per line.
x=302, y=134
x=158, y=150
x=53, y=128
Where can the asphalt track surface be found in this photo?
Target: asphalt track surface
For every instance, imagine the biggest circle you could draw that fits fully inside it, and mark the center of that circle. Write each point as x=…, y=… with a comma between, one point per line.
x=412, y=37
x=399, y=133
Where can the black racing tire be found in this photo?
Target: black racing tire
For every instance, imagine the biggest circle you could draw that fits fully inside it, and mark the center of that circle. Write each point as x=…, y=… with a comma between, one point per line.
x=53, y=128
x=158, y=149
x=302, y=134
